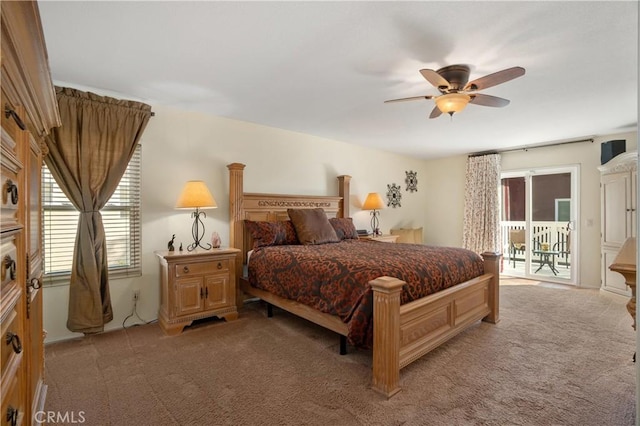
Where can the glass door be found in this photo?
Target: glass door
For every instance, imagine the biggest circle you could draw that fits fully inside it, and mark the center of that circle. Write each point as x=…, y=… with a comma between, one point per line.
x=539, y=224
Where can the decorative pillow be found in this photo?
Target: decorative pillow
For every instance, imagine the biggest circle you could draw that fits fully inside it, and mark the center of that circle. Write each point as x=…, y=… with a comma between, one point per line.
x=271, y=233
x=409, y=236
x=312, y=226
x=344, y=227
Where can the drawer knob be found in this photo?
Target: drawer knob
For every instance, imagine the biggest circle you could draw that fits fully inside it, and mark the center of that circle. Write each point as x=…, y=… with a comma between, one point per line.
x=219, y=265
x=185, y=269
x=11, y=189
x=12, y=416
x=8, y=264
x=8, y=112
x=14, y=340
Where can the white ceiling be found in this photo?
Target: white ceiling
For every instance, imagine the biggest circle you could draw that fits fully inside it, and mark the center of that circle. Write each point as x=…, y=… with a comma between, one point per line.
x=325, y=68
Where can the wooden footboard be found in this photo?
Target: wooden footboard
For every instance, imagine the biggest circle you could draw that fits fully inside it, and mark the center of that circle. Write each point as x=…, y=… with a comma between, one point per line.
x=404, y=333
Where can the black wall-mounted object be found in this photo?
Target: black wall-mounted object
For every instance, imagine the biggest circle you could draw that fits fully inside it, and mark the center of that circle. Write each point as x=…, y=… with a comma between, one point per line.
x=610, y=149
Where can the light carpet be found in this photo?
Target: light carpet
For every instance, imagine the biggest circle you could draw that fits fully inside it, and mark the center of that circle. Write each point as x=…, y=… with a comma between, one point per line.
x=557, y=357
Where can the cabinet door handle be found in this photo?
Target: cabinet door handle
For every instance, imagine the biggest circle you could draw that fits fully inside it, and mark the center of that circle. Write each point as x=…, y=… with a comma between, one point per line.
x=14, y=340
x=12, y=415
x=206, y=293
x=219, y=265
x=201, y=294
x=11, y=189
x=185, y=269
x=8, y=264
x=8, y=112
x=34, y=284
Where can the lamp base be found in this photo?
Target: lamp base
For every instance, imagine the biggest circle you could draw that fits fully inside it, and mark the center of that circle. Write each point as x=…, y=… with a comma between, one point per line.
x=375, y=230
x=195, y=232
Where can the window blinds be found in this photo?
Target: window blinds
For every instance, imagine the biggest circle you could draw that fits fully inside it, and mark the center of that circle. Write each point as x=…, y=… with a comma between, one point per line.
x=120, y=216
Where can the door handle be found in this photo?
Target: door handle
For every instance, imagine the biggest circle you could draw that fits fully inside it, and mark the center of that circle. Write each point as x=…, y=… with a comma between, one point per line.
x=14, y=340
x=8, y=112
x=11, y=189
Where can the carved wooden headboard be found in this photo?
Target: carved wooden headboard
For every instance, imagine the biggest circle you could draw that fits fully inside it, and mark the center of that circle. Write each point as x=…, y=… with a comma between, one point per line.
x=272, y=207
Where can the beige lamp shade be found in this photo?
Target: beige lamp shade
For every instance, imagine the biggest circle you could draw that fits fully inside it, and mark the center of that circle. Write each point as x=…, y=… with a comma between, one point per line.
x=373, y=202
x=452, y=102
x=195, y=194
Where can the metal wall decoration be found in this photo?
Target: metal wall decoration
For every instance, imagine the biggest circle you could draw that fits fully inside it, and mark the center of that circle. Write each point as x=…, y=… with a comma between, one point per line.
x=393, y=195
x=412, y=181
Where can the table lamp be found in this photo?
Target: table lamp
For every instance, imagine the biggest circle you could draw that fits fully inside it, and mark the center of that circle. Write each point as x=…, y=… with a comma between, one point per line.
x=374, y=203
x=196, y=195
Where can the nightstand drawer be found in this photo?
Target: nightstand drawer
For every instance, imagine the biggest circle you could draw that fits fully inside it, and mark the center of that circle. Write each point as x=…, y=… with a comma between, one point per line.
x=210, y=267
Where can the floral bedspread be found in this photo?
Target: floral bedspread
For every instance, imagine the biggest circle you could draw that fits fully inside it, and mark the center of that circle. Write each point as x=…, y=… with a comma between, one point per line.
x=334, y=278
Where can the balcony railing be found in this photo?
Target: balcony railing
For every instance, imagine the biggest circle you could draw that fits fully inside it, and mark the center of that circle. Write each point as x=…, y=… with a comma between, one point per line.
x=555, y=234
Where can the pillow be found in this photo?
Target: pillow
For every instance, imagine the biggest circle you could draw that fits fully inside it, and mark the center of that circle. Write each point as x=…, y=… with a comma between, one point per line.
x=312, y=226
x=409, y=236
x=271, y=233
x=344, y=227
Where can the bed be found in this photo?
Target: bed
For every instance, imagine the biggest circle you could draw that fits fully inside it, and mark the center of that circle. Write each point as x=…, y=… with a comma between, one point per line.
x=401, y=332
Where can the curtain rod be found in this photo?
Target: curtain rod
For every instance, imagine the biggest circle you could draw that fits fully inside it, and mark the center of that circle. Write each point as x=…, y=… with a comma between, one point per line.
x=527, y=148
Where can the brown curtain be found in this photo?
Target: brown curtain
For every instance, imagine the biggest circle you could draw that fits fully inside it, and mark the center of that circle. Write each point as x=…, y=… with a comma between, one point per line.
x=87, y=157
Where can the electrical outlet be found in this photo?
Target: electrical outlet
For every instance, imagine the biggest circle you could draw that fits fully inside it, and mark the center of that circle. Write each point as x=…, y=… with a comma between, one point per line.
x=136, y=294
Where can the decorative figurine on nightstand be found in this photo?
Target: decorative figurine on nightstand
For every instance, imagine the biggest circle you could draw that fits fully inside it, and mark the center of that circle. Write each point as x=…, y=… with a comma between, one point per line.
x=180, y=247
x=170, y=243
x=215, y=240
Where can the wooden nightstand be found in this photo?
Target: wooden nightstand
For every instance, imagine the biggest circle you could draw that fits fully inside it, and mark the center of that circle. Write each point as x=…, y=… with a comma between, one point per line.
x=381, y=238
x=195, y=285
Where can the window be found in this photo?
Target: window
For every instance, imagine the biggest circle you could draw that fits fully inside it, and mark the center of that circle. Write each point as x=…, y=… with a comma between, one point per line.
x=120, y=216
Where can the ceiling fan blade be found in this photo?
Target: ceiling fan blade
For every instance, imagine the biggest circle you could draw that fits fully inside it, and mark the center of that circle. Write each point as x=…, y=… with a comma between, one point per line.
x=495, y=79
x=412, y=98
x=488, y=100
x=435, y=112
x=434, y=78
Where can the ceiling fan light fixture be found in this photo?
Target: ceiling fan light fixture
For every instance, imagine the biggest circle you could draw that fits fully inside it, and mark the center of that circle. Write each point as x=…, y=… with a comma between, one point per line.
x=452, y=102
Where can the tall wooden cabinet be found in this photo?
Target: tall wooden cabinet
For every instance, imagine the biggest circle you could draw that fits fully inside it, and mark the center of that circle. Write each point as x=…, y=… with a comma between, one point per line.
x=618, y=198
x=29, y=111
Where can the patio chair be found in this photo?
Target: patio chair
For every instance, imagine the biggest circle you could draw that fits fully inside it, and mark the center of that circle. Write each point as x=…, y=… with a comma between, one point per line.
x=517, y=243
x=564, y=248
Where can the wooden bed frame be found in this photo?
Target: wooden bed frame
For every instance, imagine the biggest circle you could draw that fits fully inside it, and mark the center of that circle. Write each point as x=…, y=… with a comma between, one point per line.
x=401, y=333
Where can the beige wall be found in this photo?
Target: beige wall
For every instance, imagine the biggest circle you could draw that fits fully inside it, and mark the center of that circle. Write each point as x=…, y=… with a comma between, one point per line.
x=180, y=146
x=446, y=190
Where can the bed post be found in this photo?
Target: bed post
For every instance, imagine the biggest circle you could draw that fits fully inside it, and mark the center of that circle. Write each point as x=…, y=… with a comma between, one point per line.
x=386, y=334
x=236, y=229
x=343, y=191
x=236, y=191
x=492, y=266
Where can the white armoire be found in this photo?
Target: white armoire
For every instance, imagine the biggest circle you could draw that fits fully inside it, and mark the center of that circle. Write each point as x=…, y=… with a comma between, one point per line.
x=618, y=203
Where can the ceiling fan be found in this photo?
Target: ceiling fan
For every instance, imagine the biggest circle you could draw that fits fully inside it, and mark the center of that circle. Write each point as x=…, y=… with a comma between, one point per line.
x=456, y=91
